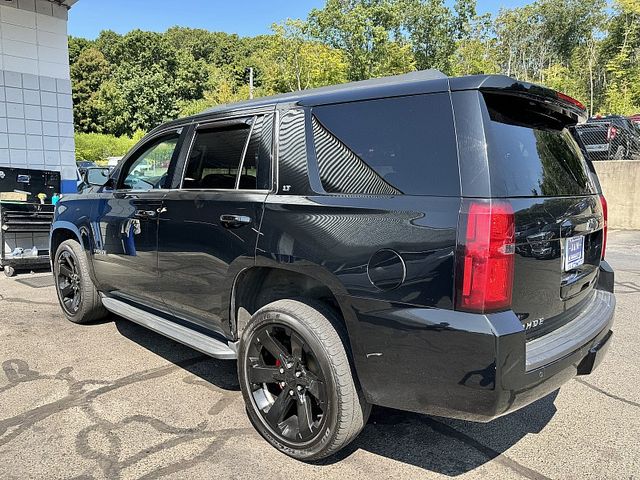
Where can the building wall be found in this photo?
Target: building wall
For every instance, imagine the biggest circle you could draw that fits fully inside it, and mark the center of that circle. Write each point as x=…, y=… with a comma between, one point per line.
x=36, y=108
x=620, y=181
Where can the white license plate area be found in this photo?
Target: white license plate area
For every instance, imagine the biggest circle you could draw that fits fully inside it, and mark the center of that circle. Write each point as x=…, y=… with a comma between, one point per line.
x=573, y=253
x=598, y=148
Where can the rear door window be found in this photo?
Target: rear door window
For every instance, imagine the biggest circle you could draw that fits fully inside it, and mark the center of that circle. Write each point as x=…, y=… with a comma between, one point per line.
x=391, y=146
x=231, y=155
x=531, y=153
x=215, y=157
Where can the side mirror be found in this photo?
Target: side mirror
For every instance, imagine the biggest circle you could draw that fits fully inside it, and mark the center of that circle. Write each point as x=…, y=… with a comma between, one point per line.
x=97, y=177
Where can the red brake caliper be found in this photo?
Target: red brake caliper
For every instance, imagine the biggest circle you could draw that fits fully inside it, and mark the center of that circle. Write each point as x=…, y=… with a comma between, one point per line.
x=278, y=363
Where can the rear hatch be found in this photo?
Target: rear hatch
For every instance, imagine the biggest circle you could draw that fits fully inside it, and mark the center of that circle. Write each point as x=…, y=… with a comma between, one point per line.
x=538, y=167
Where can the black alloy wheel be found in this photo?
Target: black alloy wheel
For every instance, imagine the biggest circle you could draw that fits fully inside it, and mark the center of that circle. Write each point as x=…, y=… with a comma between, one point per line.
x=79, y=299
x=68, y=282
x=287, y=384
x=297, y=381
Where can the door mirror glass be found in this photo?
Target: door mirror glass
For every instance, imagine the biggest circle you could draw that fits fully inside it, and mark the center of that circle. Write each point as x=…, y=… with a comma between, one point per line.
x=97, y=177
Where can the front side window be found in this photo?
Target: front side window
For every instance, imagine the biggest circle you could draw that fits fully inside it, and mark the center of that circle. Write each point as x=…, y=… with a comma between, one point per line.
x=229, y=156
x=149, y=170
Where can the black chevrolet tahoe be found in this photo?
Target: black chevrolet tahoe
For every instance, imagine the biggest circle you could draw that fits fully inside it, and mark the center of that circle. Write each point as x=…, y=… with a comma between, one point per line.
x=420, y=242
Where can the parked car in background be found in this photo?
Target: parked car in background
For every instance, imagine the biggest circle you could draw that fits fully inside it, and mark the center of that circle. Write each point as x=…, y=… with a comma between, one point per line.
x=612, y=137
x=635, y=118
x=420, y=242
x=83, y=165
x=112, y=162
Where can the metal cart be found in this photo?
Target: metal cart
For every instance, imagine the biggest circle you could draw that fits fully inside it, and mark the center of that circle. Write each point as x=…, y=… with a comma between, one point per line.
x=18, y=220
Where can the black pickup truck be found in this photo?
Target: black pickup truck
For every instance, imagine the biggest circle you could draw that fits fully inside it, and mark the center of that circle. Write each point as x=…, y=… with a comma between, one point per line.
x=613, y=137
x=419, y=242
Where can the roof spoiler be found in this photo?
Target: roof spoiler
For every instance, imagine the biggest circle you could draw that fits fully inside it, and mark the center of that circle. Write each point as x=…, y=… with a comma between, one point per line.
x=558, y=102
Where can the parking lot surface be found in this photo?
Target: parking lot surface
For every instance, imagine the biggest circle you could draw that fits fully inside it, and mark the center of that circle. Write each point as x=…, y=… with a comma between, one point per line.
x=113, y=400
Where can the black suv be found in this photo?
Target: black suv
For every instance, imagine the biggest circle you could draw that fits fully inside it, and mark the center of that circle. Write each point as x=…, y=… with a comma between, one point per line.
x=419, y=242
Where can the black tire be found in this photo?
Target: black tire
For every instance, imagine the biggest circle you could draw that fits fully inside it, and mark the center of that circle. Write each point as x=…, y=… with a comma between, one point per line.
x=77, y=295
x=316, y=350
x=9, y=271
x=620, y=153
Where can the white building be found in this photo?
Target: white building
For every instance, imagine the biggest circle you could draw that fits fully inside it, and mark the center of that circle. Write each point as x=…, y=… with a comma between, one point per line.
x=36, y=109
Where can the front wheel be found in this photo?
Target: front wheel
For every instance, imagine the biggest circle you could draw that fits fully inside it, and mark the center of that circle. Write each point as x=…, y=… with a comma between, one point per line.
x=297, y=381
x=78, y=296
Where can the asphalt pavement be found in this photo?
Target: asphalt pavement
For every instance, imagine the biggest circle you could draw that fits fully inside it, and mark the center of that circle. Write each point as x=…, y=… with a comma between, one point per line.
x=113, y=400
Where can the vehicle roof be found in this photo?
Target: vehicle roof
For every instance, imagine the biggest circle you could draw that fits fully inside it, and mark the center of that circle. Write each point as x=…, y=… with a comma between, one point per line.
x=413, y=83
x=609, y=119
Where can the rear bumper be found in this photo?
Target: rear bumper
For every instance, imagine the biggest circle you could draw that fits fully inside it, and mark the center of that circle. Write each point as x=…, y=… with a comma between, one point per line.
x=469, y=366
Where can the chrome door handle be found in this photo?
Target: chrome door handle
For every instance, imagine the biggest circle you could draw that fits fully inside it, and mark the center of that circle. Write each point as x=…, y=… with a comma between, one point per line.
x=234, y=220
x=145, y=213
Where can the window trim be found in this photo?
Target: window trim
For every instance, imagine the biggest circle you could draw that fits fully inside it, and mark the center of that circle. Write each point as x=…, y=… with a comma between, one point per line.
x=139, y=150
x=244, y=153
x=225, y=121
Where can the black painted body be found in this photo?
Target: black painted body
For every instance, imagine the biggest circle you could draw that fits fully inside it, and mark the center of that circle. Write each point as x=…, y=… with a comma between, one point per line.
x=389, y=261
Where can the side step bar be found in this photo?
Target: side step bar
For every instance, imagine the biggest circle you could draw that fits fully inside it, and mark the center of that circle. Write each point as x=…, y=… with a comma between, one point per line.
x=172, y=330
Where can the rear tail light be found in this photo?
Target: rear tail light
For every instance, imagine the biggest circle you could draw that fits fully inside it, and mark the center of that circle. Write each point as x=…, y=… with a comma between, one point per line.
x=571, y=100
x=605, y=215
x=485, y=256
x=611, y=133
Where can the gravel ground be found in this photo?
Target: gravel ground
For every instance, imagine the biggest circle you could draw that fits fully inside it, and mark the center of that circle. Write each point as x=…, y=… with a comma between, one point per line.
x=114, y=400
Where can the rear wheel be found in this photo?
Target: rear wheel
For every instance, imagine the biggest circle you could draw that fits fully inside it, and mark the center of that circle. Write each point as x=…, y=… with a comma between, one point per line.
x=78, y=296
x=297, y=382
x=620, y=153
x=9, y=271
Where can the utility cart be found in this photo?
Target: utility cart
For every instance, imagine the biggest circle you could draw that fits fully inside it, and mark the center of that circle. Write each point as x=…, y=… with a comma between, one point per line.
x=25, y=224
x=26, y=214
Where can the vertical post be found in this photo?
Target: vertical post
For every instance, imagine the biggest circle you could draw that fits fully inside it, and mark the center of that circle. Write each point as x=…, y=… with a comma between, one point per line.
x=250, y=82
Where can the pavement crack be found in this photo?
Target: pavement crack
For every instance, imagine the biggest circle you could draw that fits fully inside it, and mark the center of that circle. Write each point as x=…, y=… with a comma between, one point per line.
x=17, y=371
x=604, y=392
x=25, y=301
x=488, y=452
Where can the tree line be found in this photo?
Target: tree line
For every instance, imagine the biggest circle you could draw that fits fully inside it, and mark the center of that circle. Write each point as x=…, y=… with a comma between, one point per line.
x=589, y=49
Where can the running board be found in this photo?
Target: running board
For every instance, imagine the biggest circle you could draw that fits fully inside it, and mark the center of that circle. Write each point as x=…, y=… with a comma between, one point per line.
x=191, y=338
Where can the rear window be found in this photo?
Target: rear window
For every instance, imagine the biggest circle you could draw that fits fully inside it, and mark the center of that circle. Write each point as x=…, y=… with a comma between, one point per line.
x=391, y=146
x=531, y=153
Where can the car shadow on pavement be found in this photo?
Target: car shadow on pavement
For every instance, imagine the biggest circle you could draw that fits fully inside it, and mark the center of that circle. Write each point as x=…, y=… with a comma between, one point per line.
x=445, y=446
x=221, y=373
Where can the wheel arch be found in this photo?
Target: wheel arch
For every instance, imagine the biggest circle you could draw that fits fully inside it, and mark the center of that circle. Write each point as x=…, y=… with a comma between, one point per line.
x=62, y=231
x=257, y=286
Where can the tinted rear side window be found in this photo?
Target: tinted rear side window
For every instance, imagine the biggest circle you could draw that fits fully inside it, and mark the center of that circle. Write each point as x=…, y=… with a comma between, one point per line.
x=531, y=153
x=390, y=146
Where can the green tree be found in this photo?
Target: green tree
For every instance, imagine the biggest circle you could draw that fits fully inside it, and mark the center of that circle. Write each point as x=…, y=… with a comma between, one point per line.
x=97, y=147
x=365, y=31
x=76, y=46
x=430, y=30
x=88, y=73
x=622, y=51
x=476, y=50
x=294, y=61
